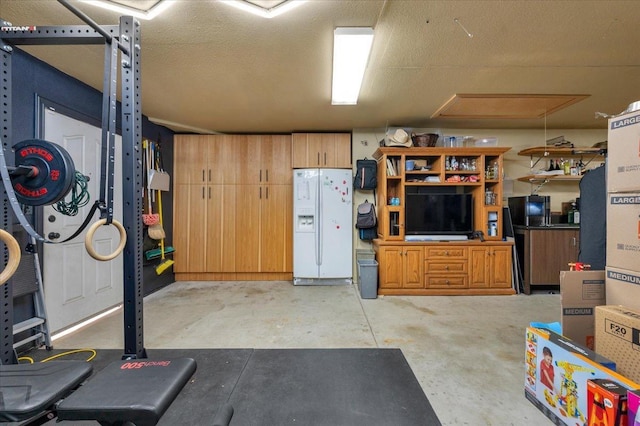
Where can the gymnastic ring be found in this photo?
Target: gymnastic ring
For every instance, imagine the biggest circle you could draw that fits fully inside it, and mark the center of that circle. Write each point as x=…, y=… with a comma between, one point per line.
x=14, y=256
x=88, y=240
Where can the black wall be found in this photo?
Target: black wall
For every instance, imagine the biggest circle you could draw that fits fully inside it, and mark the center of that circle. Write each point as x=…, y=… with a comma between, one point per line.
x=32, y=78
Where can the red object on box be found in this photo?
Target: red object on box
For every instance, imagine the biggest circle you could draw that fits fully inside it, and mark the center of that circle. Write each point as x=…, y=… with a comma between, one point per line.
x=606, y=403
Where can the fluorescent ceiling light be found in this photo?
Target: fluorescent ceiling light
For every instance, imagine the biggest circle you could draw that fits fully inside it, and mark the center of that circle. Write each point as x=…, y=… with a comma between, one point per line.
x=278, y=10
x=351, y=48
x=155, y=10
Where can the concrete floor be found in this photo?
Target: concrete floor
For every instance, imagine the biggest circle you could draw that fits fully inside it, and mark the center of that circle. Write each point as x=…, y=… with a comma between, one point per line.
x=466, y=351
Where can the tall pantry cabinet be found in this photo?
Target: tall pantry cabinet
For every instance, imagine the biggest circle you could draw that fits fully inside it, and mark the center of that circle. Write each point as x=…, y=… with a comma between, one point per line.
x=232, y=207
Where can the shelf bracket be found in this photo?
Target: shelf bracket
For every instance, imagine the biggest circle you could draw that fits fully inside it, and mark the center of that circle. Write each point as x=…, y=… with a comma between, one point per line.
x=539, y=185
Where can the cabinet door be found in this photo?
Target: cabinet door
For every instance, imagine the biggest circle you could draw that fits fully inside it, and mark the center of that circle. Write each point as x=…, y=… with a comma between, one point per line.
x=390, y=267
x=480, y=268
x=190, y=159
x=220, y=228
x=299, y=153
x=500, y=267
x=190, y=224
x=550, y=252
x=275, y=155
x=413, y=265
x=276, y=239
x=342, y=150
x=223, y=159
x=249, y=166
x=248, y=200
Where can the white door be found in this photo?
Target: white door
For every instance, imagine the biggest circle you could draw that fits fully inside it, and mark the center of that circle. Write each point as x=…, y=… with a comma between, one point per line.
x=305, y=223
x=336, y=223
x=76, y=286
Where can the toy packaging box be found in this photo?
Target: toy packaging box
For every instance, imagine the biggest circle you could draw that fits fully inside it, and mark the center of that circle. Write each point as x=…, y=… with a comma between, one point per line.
x=556, y=374
x=607, y=403
x=633, y=407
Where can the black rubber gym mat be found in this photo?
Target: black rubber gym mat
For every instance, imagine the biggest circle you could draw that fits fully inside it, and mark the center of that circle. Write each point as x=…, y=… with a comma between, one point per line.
x=308, y=387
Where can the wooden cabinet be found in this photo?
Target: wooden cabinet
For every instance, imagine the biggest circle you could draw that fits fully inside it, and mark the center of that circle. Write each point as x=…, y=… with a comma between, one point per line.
x=447, y=267
x=453, y=268
x=403, y=267
x=233, y=214
x=324, y=150
x=554, y=248
x=490, y=267
x=478, y=171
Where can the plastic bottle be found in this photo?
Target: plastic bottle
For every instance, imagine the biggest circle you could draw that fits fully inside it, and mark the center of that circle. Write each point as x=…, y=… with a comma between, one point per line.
x=493, y=230
x=566, y=167
x=576, y=216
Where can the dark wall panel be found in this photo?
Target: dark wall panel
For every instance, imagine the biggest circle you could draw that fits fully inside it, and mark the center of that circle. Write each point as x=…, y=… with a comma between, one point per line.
x=33, y=78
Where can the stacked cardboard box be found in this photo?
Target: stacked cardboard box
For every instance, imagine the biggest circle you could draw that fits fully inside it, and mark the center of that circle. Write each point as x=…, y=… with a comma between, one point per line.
x=581, y=292
x=623, y=211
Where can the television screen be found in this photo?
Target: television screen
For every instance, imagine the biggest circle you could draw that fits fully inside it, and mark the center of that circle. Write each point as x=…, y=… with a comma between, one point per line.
x=442, y=214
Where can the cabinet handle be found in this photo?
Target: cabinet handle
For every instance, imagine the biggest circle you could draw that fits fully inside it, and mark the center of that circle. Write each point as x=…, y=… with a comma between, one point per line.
x=260, y=193
x=446, y=268
x=260, y=175
x=209, y=175
x=325, y=158
x=574, y=241
x=203, y=175
x=267, y=193
x=318, y=162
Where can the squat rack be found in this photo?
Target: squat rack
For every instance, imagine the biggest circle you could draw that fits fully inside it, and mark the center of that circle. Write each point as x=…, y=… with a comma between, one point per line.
x=126, y=38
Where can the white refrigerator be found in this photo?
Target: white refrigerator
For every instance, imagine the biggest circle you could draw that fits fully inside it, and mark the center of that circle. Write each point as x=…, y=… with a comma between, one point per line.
x=322, y=227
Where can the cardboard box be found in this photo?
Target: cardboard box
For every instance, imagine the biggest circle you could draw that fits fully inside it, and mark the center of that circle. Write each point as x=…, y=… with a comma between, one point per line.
x=618, y=338
x=556, y=374
x=623, y=153
x=606, y=403
x=623, y=230
x=633, y=407
x=580, y=293
x=622, y=287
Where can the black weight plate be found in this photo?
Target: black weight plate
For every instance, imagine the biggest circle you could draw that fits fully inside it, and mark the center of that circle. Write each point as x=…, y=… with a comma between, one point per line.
x=55, y=172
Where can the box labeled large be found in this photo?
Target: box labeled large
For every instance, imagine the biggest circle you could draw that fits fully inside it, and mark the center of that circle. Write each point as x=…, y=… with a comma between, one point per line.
x=618, y=338
x=623, y=153
x=623, y=230
x=622, y=287
x=556, y=374
x=580, y=292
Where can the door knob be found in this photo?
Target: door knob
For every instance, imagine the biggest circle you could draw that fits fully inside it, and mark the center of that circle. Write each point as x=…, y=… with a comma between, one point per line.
x=53, y=235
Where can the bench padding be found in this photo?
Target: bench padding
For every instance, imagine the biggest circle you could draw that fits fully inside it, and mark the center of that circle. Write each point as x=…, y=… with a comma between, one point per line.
x=138, y=391
x=29, y=389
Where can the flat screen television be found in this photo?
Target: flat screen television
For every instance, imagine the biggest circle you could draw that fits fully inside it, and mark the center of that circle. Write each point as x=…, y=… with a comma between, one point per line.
x=438, y=214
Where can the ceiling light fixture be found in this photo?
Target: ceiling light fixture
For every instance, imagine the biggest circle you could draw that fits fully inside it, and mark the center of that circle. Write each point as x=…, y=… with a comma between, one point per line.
x=268, y=13
x=351, y=48
x=155, y=10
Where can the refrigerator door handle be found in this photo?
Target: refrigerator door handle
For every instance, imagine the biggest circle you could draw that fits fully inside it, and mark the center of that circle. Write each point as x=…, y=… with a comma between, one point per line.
x=318, y=221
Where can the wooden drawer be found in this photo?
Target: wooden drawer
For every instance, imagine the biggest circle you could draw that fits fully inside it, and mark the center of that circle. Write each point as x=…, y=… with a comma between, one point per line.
x=446, y=252
x=440, y=267
x=446, y=281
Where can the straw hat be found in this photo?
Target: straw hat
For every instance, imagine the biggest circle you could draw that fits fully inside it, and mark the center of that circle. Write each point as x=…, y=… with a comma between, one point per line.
x=399, y=138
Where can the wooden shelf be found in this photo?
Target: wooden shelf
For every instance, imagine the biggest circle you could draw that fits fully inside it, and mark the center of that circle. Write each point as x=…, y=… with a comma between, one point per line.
x=548, y=178
x=550, y=151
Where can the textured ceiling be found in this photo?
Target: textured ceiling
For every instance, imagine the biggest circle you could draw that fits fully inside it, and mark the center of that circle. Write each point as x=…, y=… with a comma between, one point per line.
x=209, y=66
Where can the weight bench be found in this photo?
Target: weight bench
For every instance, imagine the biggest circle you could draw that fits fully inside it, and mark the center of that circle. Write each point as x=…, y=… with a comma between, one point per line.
x=124, y=392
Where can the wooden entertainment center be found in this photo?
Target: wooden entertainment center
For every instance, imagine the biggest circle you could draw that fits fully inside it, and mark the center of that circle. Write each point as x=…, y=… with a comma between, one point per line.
x=442, y=266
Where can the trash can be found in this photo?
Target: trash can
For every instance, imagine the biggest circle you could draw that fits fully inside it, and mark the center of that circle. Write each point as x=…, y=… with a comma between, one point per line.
x=368, y=273
x=362, y=254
